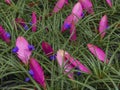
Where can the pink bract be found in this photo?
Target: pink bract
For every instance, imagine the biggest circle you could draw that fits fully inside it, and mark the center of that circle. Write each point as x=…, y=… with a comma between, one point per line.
x=98, y=52
x=23, y=49
x=103, y=25
x=47, y=48
x=38, y=73
x=77, y=12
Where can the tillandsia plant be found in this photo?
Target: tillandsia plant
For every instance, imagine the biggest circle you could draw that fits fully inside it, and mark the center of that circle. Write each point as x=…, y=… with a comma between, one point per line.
x=89, y=62
x=66, y=61
x=5, y=36
x=23, y=49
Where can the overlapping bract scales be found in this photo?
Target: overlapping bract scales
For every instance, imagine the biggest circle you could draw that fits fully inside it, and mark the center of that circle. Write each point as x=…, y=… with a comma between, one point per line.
x=38, y=73
x=24, y=52
x=98, y=52
x=103, y=25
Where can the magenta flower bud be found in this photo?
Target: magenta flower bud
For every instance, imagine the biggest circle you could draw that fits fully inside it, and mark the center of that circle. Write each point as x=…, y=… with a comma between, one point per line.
x=23, y=50
x=38, y=75
x=34, y=22
x=66, y=61
x=5, y=36
x=103, y=25
x=109, y=3
x=59, y=5
x=47, y=48
x=98, y=52
x=87, y=5
x=8, y=2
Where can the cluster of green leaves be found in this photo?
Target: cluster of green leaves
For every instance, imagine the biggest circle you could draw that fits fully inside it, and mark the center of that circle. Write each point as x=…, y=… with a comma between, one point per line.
x=103, y=76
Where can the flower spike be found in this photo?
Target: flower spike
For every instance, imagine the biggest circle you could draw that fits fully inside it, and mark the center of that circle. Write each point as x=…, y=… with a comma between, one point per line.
x=22, y=49
x=103, y=25
x=98, y=52
x=37, y=72
x=77, y=12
